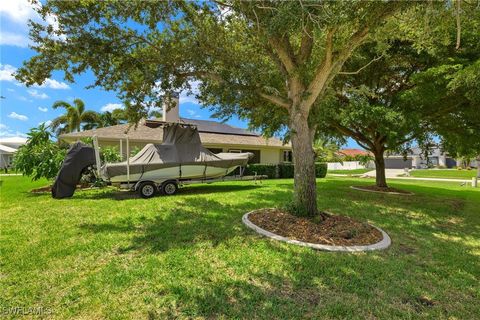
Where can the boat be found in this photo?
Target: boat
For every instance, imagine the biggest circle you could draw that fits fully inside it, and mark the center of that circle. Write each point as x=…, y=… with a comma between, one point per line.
x=180, y=157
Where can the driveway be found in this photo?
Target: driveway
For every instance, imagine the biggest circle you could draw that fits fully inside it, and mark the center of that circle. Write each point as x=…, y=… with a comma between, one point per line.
x=389, y=173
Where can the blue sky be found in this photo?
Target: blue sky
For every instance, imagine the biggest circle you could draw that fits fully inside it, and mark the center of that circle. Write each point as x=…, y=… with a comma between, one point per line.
x=24, y=108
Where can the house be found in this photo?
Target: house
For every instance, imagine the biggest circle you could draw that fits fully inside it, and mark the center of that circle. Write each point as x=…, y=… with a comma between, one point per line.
x=215, y=136
x=417, y=159
x=8, y=147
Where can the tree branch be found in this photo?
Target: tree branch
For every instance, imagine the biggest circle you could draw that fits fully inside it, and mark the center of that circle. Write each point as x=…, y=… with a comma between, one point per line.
x=360, y=69
x=306, y=45
x=279, y=101
x=283, y=49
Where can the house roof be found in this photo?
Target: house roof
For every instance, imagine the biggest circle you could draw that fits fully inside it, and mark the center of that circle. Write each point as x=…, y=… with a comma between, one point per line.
x=14, y=140
x=7, y=149
x=353, y=152
x=210, y=133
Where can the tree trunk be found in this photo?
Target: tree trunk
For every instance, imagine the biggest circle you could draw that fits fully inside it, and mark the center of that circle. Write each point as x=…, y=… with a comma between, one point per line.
x=380, y=179
x=305, y=188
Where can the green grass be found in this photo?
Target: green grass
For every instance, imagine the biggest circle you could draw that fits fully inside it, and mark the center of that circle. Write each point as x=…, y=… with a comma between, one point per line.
x=353, y=171
x=108, y=254
x=444, y=173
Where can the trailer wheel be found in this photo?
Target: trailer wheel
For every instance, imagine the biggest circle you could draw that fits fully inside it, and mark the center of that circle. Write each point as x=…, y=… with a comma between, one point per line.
x=147, y=189
x=169, y=188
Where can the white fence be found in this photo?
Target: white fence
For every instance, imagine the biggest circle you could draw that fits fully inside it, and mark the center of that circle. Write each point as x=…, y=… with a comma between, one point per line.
x=348, y=165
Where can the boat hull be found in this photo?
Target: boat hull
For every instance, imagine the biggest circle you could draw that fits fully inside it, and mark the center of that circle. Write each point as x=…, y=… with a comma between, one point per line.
x=184, y=172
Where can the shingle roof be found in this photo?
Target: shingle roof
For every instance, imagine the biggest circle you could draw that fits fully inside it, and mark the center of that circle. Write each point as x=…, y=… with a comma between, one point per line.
x=353, y=152
x=210, y=133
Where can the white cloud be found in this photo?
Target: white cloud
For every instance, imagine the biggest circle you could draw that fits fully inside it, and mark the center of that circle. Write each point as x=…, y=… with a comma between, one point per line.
x=13, y=39
x=10, y=133
x=43, y=109
x=17, y=116
x=191, y=112
x=190, y=98
x=6, y=72
x=22, y=98
x=18, y=11
x=53, y=84
x=10, y=89
x=46, y=123
x=39, y=95
x=111, y=106
x=3, y=126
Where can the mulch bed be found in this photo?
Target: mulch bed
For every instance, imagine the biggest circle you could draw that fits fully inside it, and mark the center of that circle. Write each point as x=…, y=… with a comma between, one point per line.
x=334, y=230
x=380, y=189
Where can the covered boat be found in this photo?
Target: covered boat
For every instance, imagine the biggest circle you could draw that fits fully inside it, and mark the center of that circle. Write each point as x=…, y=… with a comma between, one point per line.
x=179, y=157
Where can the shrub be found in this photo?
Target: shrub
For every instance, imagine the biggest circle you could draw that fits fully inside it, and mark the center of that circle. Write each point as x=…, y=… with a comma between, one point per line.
x=261, y=169
x=286, y=170
x=320, y=169
x=40, y=157
x=109, y=154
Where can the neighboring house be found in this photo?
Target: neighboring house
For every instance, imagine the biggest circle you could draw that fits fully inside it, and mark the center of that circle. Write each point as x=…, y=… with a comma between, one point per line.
x=215, y=136
x=352, y=153
x=416, y=159
x=8, y=147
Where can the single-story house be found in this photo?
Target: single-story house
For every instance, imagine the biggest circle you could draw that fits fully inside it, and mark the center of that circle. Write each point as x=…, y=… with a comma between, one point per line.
x=215, y=136
x=8, y=147
x=416, y=159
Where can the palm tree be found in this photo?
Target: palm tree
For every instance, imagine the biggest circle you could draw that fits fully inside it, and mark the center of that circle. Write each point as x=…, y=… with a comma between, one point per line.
x=72, y=120
x=326, y=150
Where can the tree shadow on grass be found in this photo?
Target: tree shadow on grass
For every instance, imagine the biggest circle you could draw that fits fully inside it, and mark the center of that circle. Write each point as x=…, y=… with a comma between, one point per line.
x=192, y=220
x=302, y=283
x=116, y=194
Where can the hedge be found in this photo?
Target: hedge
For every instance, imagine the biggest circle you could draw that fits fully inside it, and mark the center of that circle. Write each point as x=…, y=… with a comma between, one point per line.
x=282, y=170
x=269, y=170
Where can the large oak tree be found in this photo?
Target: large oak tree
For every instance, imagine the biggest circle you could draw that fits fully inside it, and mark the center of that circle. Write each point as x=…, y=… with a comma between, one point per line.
x=259, y=59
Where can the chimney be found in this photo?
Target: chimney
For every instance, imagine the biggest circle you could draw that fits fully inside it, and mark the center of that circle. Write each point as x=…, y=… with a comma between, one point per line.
x=171, y=108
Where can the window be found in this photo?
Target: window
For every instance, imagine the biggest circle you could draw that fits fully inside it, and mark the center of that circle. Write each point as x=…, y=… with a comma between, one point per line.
x=287, y=156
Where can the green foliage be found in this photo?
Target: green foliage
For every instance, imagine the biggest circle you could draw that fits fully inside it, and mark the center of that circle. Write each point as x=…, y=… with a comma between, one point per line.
x=286, y=170
x=320, y=169
x=134, y=151
x=295, y=209
x=40, y=157
x=364, y=159
x=282, y=170
x=110, y=154
x=269, y=170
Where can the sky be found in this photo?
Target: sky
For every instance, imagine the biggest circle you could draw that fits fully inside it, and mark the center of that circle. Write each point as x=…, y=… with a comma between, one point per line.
x=22, y=108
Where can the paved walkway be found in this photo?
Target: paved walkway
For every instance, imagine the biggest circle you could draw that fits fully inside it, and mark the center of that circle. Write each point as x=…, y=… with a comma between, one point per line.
x=394, y=174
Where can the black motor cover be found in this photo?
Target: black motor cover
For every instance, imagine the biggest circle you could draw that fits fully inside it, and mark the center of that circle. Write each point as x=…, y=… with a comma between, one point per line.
x=78, y=158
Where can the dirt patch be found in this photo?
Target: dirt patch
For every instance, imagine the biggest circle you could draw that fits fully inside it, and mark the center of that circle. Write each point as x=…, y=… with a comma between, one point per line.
x=334, y=230
x=42, y=189
x=381, y=189
x=48, y=189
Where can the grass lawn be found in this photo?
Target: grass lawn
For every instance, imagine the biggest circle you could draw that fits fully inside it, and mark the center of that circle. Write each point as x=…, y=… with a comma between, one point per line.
x=353, y=171
x=444, y=173
x=107, y=254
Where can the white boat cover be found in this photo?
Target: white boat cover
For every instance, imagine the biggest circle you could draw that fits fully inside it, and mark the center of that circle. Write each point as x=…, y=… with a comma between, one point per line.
x=181, y=146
